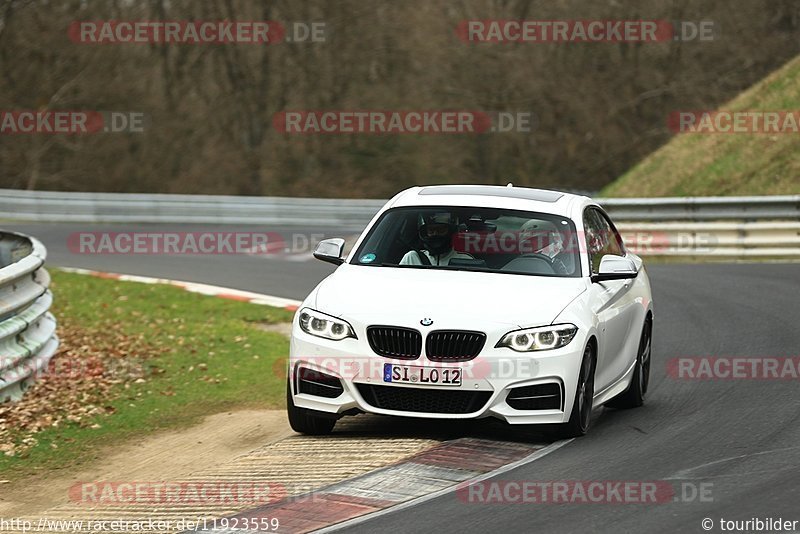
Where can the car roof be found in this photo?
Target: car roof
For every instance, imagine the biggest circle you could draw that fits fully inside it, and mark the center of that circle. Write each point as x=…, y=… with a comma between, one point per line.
x=490, y=196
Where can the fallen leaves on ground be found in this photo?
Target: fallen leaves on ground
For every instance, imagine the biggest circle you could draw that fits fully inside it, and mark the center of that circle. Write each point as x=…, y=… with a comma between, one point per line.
x=77, y=386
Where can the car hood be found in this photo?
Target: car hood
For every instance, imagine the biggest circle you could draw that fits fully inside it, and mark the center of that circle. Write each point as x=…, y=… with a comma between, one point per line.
x=452, y=299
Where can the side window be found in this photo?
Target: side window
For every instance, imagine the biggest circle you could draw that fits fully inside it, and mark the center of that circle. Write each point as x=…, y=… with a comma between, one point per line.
x=615, y=240
x=593, y=243
x=601, y=239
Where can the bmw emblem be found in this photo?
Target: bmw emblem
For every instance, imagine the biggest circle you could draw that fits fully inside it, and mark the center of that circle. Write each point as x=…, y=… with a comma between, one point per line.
x=427, y=321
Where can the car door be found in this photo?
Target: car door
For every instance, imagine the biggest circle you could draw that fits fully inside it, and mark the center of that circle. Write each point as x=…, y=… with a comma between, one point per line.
x=611, y=301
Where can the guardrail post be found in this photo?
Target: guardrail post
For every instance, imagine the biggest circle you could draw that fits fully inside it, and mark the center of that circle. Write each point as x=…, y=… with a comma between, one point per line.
x=27, y=328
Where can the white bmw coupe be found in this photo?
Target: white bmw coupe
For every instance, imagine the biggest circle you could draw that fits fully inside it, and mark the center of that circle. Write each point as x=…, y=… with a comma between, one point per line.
x=462, y=302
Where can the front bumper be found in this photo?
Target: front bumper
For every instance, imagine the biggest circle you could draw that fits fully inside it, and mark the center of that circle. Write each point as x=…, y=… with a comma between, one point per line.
x=491, y=376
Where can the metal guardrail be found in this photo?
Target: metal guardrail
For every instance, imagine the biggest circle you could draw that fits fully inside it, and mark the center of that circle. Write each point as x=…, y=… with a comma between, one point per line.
x=27, y=328
x=779, y=239
x=704, y=208
x=284, y=211
x=212, y=209
x=751, y=228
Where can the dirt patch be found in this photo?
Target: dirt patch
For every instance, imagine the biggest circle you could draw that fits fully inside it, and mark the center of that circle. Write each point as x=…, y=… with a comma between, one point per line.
x=280, y=328
x=169, y=455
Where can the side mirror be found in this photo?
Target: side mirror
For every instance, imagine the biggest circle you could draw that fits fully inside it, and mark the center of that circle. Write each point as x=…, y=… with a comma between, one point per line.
x=613, y=267
x=330, y=250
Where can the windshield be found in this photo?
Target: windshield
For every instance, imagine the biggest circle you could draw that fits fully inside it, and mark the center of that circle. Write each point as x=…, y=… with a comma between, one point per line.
x=472, y=238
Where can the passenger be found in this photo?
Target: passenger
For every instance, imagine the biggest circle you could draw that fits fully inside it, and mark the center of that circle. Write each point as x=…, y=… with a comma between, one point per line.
x=542, y=237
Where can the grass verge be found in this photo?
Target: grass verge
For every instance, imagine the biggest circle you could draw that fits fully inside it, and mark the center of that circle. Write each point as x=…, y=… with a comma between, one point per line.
x=136, y=358
x=695, y=164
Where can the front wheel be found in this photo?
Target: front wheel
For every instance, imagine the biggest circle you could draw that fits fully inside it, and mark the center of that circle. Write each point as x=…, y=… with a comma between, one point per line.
x=307, y=421
x=581, y=416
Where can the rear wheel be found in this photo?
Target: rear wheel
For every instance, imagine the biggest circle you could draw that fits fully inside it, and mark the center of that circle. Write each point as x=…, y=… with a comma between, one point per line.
x=307, y=421
x=581, y=416
x=634, y=396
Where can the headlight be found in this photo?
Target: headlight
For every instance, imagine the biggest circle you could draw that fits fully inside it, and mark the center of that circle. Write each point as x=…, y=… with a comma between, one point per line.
x=541, y=338
x=321, y=325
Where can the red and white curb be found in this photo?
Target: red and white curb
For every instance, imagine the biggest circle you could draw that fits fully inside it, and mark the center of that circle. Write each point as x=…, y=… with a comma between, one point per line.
x=443, y=469
x=194, y=287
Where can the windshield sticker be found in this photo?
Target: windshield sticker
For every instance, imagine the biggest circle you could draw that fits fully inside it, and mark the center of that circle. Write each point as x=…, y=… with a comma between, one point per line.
x=368, y=258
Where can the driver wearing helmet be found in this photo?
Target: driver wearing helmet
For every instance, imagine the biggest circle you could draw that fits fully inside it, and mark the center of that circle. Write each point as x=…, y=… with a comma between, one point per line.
x=542, y=238
x=436, y=235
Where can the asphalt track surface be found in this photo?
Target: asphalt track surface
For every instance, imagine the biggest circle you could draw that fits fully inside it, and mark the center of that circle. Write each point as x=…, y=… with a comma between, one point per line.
x=272, y=274
x=740, y=436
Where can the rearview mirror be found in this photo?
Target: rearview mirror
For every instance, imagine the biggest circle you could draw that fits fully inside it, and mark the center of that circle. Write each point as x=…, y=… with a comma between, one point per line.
x=330, y=250
x=613, y=267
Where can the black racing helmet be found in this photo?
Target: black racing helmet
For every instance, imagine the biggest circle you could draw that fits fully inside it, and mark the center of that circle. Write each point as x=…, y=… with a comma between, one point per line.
x=436, y=233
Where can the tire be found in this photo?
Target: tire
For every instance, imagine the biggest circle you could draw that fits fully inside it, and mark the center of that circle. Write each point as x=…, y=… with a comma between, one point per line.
x=581, y=416
x=634, y=396
x=307, y=421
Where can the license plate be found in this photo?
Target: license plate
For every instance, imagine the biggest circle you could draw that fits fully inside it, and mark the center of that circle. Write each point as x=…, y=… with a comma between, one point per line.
x=422, y=376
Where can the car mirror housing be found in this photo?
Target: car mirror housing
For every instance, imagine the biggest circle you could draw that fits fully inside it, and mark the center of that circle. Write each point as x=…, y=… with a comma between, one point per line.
x=330, y=250
x=613, y=267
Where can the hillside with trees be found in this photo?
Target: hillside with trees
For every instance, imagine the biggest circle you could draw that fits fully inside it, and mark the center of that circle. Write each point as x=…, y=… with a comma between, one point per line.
x=208, y=110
